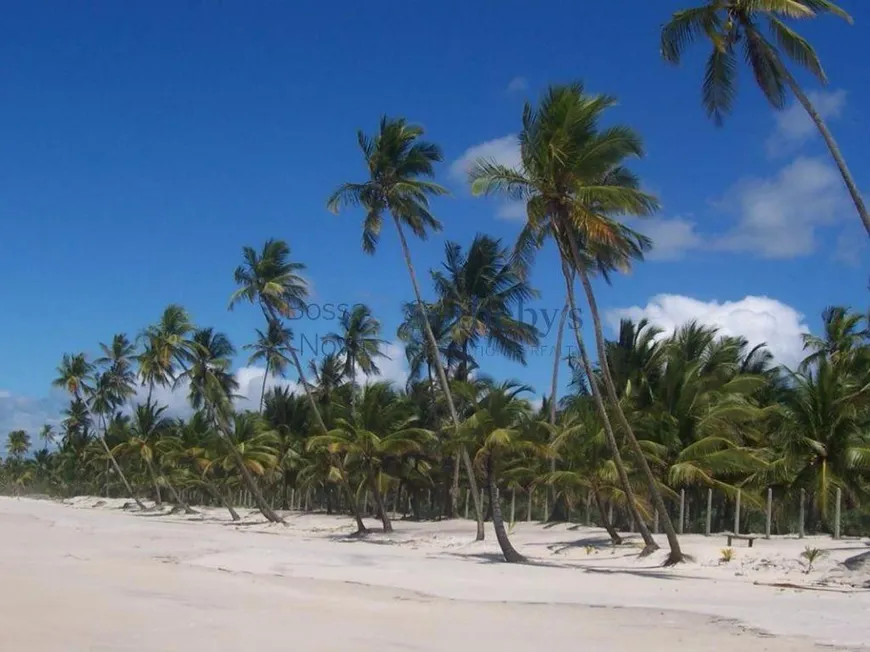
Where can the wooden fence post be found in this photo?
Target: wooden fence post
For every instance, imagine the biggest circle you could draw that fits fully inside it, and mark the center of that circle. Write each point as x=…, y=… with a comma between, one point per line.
x=709, y=523
x=802, y=514
x=837, y=513
x=680, y=527
x=769, y=514
x=529, y=506
x=513, y=505
x=737, y=514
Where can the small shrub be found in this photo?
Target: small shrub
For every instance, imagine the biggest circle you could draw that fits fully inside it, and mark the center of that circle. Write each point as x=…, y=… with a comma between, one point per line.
x=812, y=555
x=727, y=554
x=590, y=550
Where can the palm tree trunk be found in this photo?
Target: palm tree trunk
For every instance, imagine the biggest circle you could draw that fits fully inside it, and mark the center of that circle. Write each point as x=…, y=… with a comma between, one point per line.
x=118, y=468
x=510, y=553
x=649, y=542
x=554, y=389
x=832, y=145
x=263, y=389
x=379, y=503
x=445, y=387
x=154, y=482
x=176, y=497
x=615, y=539
x=676, y=554
x=271, y=316
x=217, y=495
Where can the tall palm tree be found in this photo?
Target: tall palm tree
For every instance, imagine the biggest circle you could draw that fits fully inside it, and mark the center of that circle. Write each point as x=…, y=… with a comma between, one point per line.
x=400, y=167
x=209, y=364
x=573, y=181
x=732, y=24
x=272, y=281
x=17, y=444
x=47, y=435
x=103, y=400
x=272, y=348
x=844, y=334
x=74, y=374
x=478, y=294
x=359, y=343
x=167, y=348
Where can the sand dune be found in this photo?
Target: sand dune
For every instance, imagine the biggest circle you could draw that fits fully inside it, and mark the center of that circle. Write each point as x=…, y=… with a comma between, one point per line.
x=88, y=575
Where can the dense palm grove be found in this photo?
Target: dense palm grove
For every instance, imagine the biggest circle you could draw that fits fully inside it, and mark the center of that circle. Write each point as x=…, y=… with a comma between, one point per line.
x=649, y=417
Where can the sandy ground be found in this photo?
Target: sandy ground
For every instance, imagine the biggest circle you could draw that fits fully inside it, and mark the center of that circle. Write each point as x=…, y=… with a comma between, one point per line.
x=88, y=575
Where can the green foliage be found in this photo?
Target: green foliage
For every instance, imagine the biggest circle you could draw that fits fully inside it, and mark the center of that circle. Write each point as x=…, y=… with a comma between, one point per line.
x=812, y=555
x=726, y=555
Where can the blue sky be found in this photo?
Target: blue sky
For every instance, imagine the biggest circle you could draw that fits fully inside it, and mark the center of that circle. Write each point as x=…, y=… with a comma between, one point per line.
x=143, y=144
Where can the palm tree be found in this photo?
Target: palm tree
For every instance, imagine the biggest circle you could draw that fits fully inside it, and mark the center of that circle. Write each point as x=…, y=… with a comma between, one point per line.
x=167, y=348
x=843, y=337
x=729, y=24
x=478, y=292
x=358, y=343
x=103, y=400
x=17, y=444
x=400, y=166
x=499, y=426
x=208, y=367
x=47, y=435
x=272, y=281
x=74, y=374
x=573, y=182
x=381, y=426
x=272, y=348
x=823, y=435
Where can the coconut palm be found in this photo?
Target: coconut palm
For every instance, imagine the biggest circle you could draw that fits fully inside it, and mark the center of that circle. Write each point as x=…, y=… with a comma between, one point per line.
x=731, y=25
x=479, y=292
x=167, y=349
x=400, y=166
x=209, y=362
x=844, y=335
x=823, y=435
x=499, y=426
x=359, y=343
x=17, y=444
x=380, y=426
x=272, y=348
x=102, y=400
x=272, y=281
x=74, y=374
x=574, y=184
x=47, y=435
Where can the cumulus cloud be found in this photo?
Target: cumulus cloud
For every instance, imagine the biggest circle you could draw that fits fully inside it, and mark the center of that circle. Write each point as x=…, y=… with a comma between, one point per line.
x=672, y=238
x=761, y=320
x=504, y=151
x=512, y=211
x=518, y=85
x=794, y=127
x=778, y=217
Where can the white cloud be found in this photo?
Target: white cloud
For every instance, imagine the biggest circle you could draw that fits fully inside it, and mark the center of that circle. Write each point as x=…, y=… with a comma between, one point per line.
x=512, y=211
x=504, y=151
x=761, y=320
x=778, y=217
x=794, y=127
x=518, y=85
x=672, y=238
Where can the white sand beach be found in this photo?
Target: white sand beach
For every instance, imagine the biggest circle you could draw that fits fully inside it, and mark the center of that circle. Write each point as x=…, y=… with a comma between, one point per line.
x=88, y=575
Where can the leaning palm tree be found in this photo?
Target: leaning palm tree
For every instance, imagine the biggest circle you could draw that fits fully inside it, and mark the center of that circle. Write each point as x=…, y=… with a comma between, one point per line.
x=573, y=182
x=74, y=374
x=400, y=166
x=359, y=344
x=209, y=362
x=103, y=400
x=731, y=24
x=272, y=281
x=167, y=348
x=271, y=347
